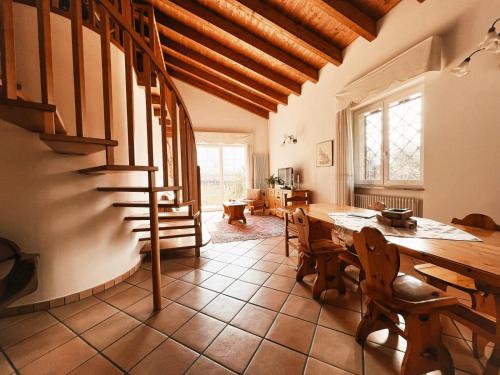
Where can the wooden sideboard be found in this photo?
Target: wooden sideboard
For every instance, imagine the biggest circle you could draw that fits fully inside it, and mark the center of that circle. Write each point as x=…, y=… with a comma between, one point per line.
x=275, y=198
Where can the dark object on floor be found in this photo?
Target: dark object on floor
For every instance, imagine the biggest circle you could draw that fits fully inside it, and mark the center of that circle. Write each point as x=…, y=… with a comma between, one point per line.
x=18, y=273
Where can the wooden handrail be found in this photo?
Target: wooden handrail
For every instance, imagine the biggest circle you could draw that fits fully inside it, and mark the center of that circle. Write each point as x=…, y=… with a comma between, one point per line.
x=145, y=48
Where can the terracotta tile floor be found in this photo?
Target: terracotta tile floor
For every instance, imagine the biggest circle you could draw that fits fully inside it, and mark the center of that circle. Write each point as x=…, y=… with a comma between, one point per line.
x=235, y=309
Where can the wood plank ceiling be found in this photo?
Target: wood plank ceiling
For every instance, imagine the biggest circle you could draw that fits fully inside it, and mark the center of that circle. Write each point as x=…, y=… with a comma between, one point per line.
x=255, y=53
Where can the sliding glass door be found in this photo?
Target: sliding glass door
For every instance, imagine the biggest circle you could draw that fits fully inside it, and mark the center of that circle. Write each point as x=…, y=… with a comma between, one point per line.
x=224, y=173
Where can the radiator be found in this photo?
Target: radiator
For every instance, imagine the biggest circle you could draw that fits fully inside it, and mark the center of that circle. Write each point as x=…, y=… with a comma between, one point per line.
x=365, y=200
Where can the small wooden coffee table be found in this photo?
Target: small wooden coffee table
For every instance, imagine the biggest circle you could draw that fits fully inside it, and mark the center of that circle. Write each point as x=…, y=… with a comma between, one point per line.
x=235, y=211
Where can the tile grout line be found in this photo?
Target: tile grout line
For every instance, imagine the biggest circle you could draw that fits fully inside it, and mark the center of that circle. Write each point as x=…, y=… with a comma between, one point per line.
x=90, y=344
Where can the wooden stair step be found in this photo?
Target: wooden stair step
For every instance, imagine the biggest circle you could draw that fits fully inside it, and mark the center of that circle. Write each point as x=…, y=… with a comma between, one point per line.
x=163, y=216
x=178, y=243
x=69, y=144
x=172, y=233
x=138, y=189
x=180, y=224
x=31, y=116
x=102, y=169
x=145, y=204
x=155, y=97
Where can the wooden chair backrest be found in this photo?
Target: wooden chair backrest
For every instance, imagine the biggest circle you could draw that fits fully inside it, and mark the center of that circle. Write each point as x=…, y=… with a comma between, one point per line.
x=380, y=261
x=302, y=224
x=477, y=221
x=377, y=206
x=296, y=199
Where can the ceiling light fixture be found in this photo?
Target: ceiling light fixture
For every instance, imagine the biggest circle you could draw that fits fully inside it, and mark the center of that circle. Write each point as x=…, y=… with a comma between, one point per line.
x=491, y=43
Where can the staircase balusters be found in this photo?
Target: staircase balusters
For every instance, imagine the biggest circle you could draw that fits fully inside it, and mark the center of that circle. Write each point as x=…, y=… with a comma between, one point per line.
x=129, y=66
x=45, y=53
x=172, y=109
x=164, y=125
x=107, y=83
x=78, y=66
x=7, y=51
x=184, y=159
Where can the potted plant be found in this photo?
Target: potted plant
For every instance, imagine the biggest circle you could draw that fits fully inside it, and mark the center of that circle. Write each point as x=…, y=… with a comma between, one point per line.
x=270, y=181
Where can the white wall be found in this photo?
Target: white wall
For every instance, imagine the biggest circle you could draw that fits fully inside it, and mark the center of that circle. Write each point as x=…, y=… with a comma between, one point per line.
x=209, y=113
x=45, y=206
x=462, y=116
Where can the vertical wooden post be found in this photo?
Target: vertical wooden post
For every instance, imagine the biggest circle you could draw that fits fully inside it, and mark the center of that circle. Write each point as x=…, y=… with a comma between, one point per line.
x=153, y=200
x=129, y=87
x=199, y=229
x=107, y=82
x=78, y=66
x=45, y=51
x=155, y=242
x=163, y=123
x=184, y=156
x=172, y=109
x=149, y=110
x=7, y=51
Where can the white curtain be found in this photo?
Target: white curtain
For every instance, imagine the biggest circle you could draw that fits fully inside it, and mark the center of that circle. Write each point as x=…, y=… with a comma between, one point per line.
x=344, y=183
x=419, y=59
x=260, y=170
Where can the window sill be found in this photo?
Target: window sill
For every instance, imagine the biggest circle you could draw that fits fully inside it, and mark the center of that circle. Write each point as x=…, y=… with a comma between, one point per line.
x=390, y=187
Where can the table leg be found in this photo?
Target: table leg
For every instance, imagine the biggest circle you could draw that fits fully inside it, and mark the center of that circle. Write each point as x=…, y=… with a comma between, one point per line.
x=493, y=364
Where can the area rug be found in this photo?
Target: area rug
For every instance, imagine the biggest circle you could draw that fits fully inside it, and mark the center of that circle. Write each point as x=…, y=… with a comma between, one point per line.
x=257, y=226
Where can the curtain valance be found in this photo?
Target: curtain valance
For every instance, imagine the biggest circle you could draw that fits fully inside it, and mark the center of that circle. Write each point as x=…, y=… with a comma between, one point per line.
x=421, y=58
x=222, y=138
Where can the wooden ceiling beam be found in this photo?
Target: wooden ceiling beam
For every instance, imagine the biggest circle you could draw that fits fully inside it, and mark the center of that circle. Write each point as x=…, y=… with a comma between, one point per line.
x=192, y=55
x=307, y=71
x=300, y=34
x=187, y=32
x=177, y=64
x=350, y=16
x=214, y=90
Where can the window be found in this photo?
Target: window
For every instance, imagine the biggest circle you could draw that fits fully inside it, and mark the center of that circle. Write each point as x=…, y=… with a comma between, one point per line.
x=224, y=171
x=388, y=141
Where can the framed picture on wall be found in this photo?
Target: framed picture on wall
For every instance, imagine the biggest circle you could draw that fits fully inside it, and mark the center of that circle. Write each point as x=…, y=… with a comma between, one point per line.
x=324, y=154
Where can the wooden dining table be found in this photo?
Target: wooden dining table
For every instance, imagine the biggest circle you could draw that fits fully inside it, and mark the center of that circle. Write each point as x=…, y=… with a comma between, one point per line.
x=477, y=260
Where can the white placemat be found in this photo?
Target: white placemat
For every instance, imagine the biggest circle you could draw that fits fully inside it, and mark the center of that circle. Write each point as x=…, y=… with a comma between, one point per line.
x=426, y=228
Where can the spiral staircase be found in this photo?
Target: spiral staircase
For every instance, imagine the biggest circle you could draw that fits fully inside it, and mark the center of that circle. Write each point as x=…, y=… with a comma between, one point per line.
x=172, y=220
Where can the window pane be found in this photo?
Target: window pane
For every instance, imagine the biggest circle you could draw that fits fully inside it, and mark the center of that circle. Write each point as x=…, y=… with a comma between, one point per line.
x=209, y=162
x=372, y=150
x=235, y=171
x=405, y=129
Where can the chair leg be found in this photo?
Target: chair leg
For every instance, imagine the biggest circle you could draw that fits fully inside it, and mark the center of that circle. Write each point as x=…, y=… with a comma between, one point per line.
x=334, y=273
x=305, y=267
x=484, y=304
x=320, y=283
x=373, y=320
x=425, y=351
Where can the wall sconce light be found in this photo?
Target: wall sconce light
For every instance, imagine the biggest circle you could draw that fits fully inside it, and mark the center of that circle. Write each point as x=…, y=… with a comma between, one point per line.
x=289, y=139
x=491, y=43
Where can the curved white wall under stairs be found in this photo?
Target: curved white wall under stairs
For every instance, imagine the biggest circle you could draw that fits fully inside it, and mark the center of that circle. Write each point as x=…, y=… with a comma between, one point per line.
x=45, y=205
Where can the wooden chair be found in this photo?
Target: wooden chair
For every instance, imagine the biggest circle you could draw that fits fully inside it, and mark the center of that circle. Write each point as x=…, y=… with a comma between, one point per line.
x=18, y=273
x=290, y=227
x=389, y=294
x=255, y=200
x=442, y=278
x=350, y=258
x=377, y=206
x=317, y=256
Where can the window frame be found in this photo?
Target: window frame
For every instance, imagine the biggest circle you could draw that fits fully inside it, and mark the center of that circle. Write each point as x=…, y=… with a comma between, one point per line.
x=382, y=102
